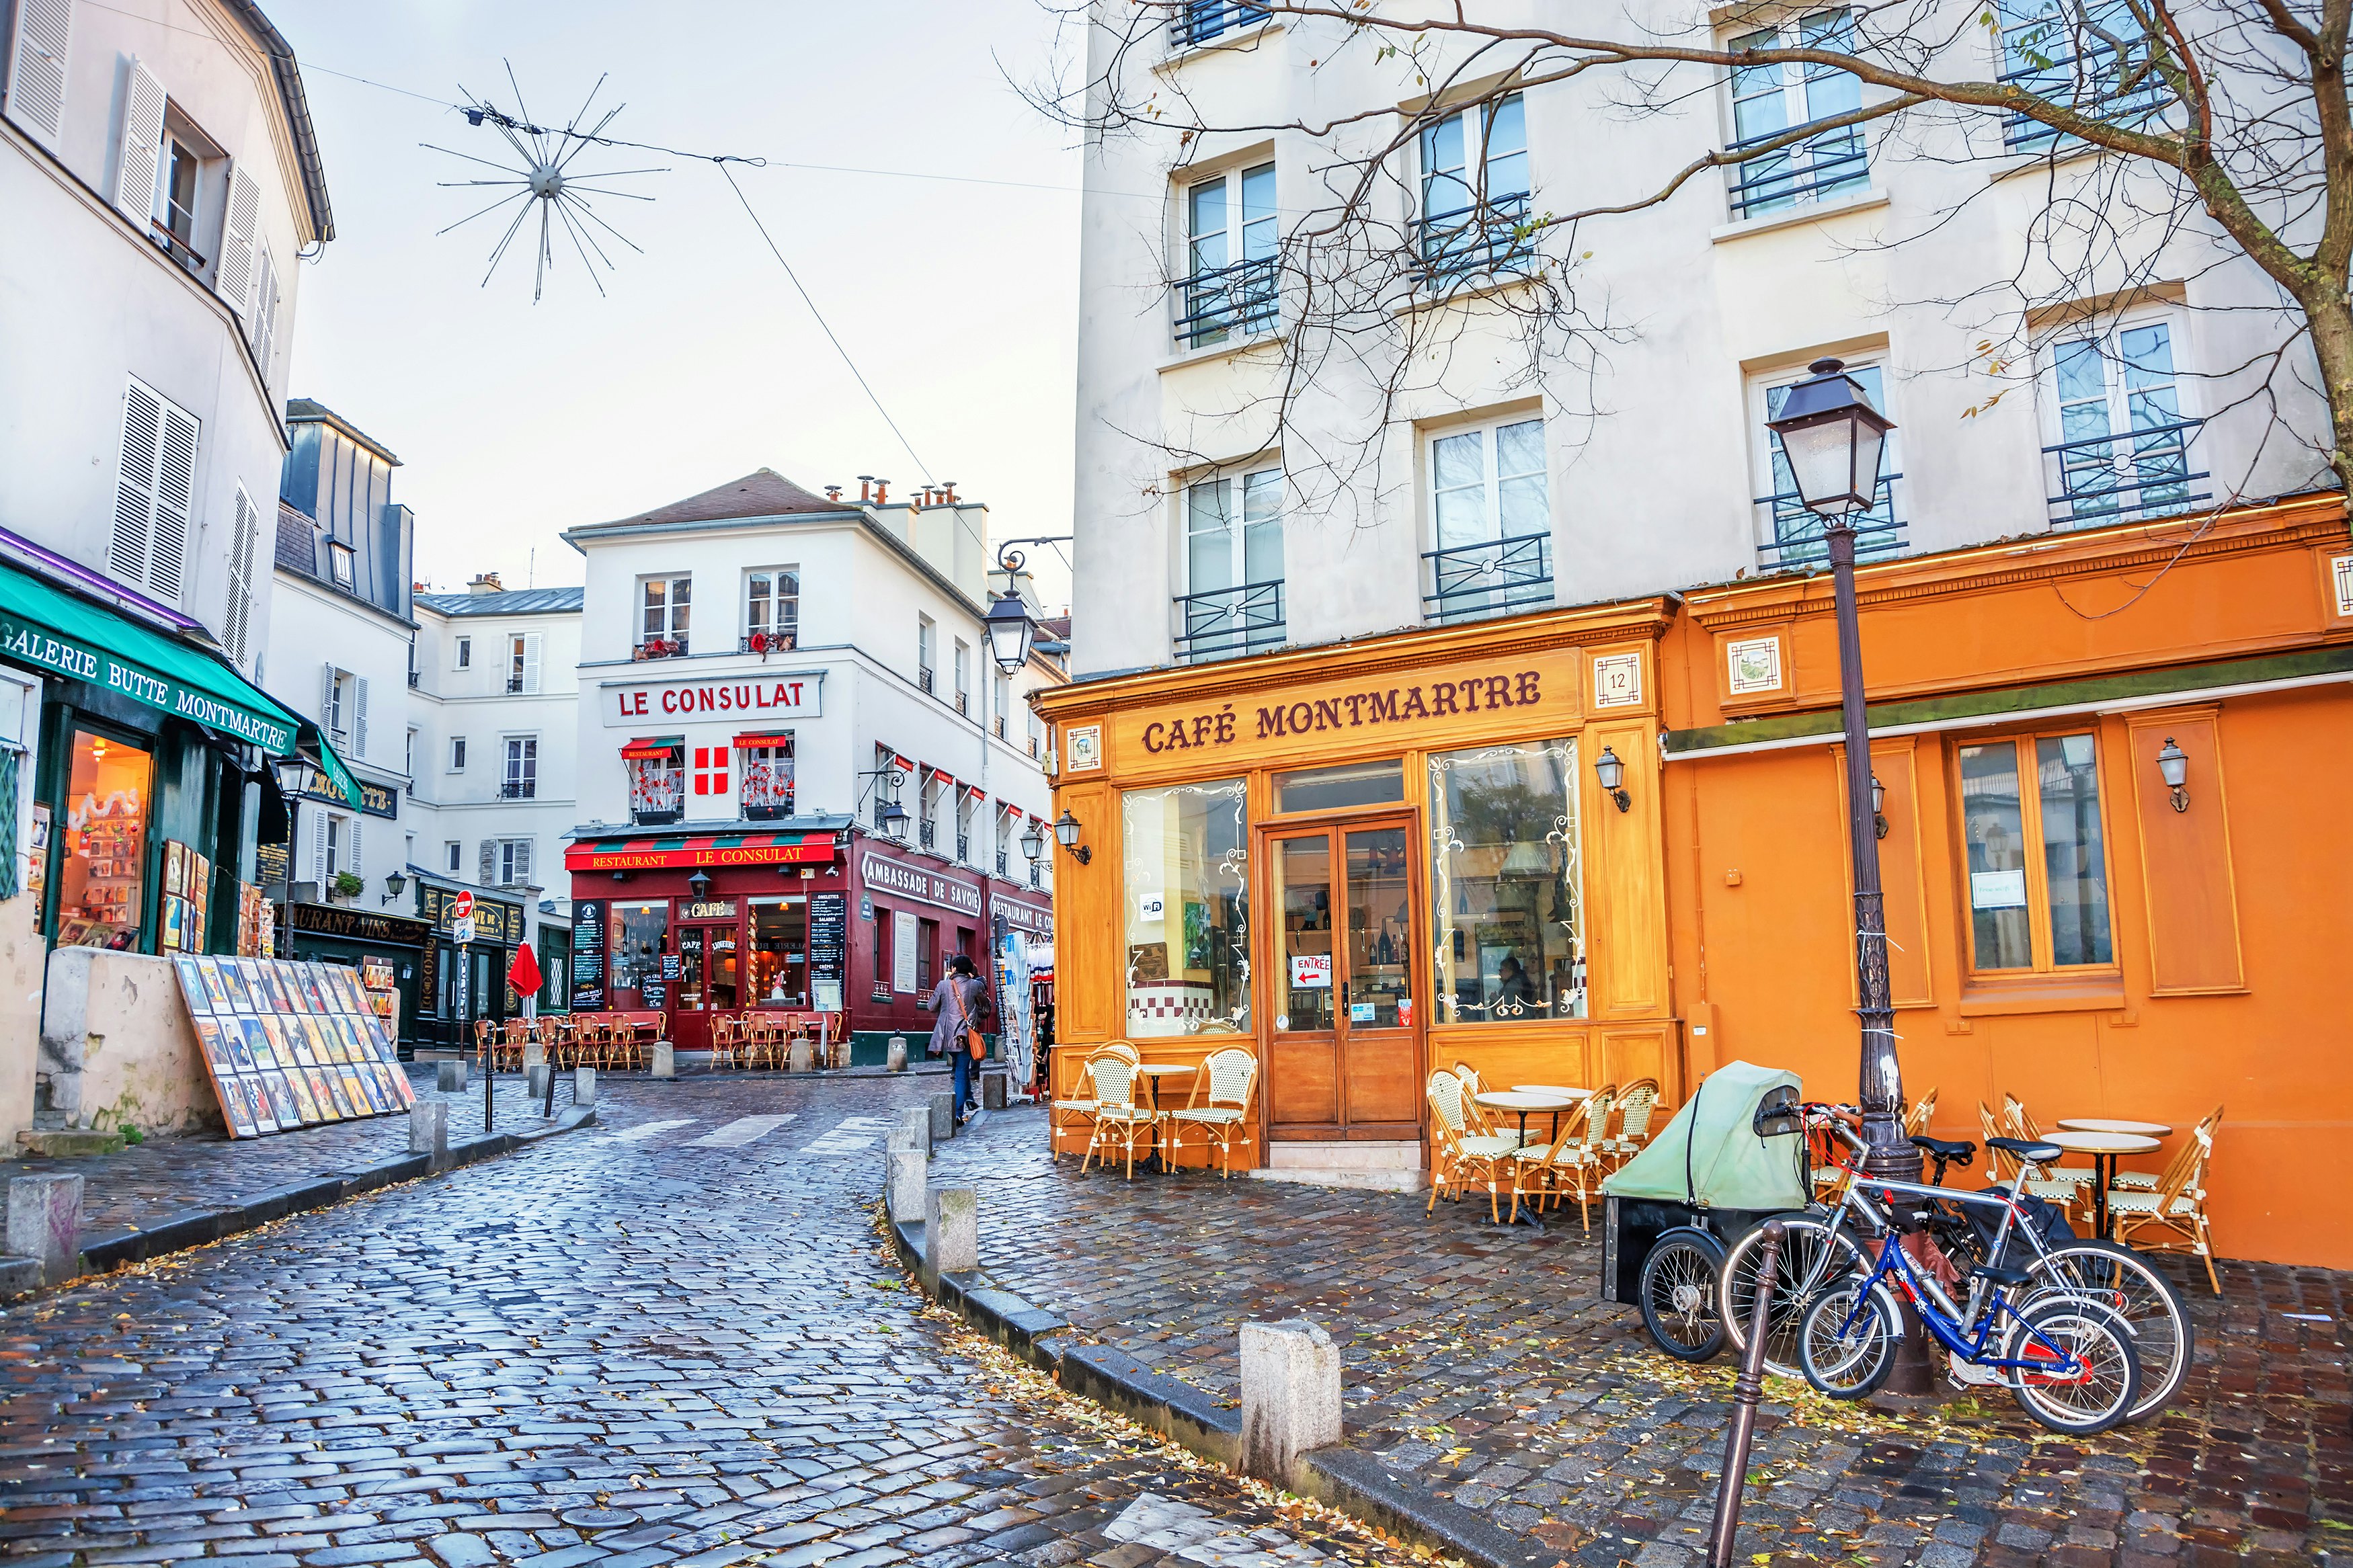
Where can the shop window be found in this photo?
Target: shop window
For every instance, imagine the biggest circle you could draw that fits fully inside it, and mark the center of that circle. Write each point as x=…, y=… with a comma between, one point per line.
x=765, y=776
x=104, y=872
x=639, y=933
x=882, y=954
x=2038, y=879
x=772, y=609
x=665, y=606
x=778, y=971
x=1334, y=788
x=1506, y=905
x=928, y=951
x=1186, y=876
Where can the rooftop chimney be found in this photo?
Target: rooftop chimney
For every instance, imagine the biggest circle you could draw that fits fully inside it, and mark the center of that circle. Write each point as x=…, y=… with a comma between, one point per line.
x=833, y=492
x=881, y=490
x=487, y=583
x=865, y=488
x=947, y=492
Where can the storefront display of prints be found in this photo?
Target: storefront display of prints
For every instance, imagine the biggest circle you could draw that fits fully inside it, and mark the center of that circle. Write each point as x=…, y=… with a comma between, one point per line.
x=289, y=1044
x=829, y=940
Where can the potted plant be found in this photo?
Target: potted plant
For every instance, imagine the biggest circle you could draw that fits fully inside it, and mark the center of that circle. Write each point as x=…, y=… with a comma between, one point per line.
x=347, y=885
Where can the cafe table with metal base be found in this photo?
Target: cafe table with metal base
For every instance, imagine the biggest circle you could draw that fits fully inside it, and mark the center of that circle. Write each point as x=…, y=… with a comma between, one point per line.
x=1152, y=1073
x=2104, y=1148
x=1575, y=1095
x=1523, y=1101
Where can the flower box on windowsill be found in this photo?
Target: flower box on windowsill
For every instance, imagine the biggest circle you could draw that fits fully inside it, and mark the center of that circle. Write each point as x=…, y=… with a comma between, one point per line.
x=766, y=812
x=655, y=818
x=659, y=648
x=766, y=643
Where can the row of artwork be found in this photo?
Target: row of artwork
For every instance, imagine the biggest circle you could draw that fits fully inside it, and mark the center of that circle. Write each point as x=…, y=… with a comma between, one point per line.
x=290, y=1044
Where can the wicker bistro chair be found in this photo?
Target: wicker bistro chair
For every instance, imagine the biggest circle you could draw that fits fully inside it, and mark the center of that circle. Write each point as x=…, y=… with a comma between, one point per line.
x=1231, y=1073
x=518, y=1030
x=1477, y=1116
x=726, y=1041
x=1081, y=1104
x=1576, y=1160
x=1117, y=1119
x=2021, y=1125
x=2175, y=1210
x=2006, y=1165
x=1636, y=1102
x=1923, y=1111
x=482, y=1038
x=1459, y=1156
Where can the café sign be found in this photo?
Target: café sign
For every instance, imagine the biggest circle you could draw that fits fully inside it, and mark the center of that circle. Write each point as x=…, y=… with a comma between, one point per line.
x=718, y=698
x=1526, y=690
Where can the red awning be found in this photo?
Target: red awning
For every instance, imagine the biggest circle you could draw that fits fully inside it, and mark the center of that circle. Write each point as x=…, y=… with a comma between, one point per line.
x=763, y=737
x=652, y=746
x=702, y=849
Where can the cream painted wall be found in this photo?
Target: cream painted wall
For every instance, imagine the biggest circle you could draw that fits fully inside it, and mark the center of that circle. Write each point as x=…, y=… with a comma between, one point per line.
x=117, y=1048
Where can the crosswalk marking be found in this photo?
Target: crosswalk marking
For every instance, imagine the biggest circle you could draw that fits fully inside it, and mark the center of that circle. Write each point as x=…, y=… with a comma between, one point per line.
x=739, y=1131
x=849, y=1136
x=648, y=1129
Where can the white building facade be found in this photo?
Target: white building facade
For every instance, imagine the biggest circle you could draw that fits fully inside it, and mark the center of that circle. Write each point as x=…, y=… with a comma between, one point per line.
x=763, y=671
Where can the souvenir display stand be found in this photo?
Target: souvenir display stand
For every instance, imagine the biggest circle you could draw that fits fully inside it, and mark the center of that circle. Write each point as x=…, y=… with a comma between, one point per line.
x=290, y=1044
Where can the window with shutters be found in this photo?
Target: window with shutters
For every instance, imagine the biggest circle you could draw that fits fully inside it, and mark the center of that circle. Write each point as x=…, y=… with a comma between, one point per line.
x=522, y=663
x=37, y=67
x=522, y=779
x=154, y=485
x=512, y=864
x=331, y=847
x=261, y=325
x=234, y=279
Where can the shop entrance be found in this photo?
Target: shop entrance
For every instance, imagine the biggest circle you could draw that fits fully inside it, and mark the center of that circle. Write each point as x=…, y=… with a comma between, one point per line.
x=707, y=984
x=1344, y=1056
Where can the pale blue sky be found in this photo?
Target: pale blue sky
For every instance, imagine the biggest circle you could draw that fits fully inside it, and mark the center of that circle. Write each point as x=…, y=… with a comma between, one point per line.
x=515, y=421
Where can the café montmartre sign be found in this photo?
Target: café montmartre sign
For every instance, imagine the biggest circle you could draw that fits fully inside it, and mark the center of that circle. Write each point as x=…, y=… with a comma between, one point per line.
x=1452, y=698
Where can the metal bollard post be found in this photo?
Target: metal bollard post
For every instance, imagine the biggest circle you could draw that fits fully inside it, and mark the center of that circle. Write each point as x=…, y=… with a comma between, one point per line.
x=489, y=1073
x=547, y=1111
x=1746, y=1390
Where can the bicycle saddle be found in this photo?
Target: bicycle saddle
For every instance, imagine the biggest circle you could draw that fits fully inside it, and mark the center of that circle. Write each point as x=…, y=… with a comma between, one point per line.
x=2017, y=1279
x=1959, y=1151
x=2028, y=1149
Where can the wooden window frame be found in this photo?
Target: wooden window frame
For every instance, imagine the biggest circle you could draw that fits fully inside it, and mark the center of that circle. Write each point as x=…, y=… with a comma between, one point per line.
x=2040, y=969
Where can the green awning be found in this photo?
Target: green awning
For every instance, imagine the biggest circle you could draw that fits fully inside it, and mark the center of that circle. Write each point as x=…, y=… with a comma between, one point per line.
x=45, y=628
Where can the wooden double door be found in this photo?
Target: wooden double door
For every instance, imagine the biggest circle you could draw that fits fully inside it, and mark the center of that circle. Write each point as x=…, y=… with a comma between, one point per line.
x=707, y=982
x=1344, y=1056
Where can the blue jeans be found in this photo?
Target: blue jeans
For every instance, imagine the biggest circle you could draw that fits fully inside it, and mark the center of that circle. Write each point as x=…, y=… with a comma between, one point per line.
x=963, y=1071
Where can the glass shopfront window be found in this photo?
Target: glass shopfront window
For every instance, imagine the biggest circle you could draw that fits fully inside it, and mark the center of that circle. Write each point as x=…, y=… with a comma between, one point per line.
x=1506, y=908
x=1337, y=788
x=102, y=875
x=640, y=935
x=778, y=971
x=1186, y=872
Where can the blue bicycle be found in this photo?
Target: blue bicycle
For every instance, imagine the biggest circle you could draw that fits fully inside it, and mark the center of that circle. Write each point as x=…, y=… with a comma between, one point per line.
x=2067, y=1360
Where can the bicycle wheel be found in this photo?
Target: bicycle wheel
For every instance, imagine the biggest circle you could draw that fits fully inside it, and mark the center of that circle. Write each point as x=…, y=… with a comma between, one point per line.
x=1814, y=1253
x=2117, y=1277
x=1847, y=1341
x=1678, y=1294
x=2096, y=1390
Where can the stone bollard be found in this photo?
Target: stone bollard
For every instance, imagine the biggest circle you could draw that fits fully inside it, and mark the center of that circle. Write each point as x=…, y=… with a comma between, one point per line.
x=943, y=1119
x=902, y=1170
x=914, y=1129
x=1291, y=1396
x=992, y=1090
x=951, y=1230
x=45, y=1223
x=665, y=1059
x=584, y=1086
x=451, y=1077
x=896, y=1058
x=535, y=1080
x=428, y=1128
x=533, y=1053
x=802, y=1057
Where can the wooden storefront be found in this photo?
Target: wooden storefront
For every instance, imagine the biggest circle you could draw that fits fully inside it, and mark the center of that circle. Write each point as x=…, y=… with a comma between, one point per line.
x=1368, y=860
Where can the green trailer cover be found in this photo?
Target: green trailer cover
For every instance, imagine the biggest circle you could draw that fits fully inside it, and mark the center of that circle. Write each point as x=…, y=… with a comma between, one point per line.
x=1709, y=1155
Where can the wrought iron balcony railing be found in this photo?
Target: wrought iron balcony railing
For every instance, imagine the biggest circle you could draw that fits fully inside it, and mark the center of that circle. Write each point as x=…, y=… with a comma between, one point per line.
x=964, y=848
x=519, y=789
x=1227, y=623
x=999, y=724
x=1829, y=164
x=1493, y=577
x=928, y=833
x=764, y=643
x=660, y=647
x=1242, y=298
x=1003, y=861
x=1489, y=237
x=1797, y=543
x=963, y=701
x=924, y=678
x=1034, y=877
x=2088, y=88
x=2125, y=478
x=1202, y=20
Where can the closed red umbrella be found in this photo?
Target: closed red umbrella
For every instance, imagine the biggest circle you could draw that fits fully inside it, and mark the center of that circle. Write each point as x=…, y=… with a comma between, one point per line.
x=522, y=975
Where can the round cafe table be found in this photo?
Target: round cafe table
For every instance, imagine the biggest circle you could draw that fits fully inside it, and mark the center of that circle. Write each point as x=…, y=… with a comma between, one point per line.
x=1522, y=1101
x=2110, y=1124
x=1152, y=1073
x=2104, y=1148
x=1562, y=1090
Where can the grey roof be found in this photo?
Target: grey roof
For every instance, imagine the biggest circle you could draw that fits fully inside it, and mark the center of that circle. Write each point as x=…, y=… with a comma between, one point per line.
x=297, y=542
x=308, y=410
x=289, y=76
x=506, y=602
x=763, y=493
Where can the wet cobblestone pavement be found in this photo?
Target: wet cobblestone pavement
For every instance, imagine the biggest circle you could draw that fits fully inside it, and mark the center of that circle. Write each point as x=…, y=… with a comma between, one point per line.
x=1482, y=1366
x=678, y=1337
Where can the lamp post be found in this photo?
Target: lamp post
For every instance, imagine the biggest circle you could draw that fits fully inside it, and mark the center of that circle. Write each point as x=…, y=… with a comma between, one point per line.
x=1832, y=438
x=1010, y=629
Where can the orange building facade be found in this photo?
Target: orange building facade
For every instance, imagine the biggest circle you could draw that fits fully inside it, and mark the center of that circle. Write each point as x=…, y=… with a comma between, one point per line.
x=1359, y=892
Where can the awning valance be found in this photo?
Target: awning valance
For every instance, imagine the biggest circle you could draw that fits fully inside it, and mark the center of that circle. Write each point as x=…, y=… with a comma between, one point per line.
x=48, y=628
x=652, y=746
x=751, y=738
x=701, y=849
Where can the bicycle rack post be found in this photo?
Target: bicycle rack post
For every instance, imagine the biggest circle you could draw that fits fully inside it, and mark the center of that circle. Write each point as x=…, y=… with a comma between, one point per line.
x=1746, y=1390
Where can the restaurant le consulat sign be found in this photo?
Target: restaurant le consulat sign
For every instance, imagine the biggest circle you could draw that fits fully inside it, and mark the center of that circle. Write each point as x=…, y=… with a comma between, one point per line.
x=786, y=694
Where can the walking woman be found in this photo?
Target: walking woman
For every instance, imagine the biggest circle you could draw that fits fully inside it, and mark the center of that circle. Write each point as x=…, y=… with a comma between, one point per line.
x=956, y=1004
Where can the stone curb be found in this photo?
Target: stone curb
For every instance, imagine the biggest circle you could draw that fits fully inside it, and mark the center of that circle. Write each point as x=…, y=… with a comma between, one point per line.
x=1349, y=1481
x=195, y=1227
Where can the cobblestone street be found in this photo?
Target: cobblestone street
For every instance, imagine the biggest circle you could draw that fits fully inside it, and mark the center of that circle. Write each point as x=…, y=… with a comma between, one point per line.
x=677, y=1336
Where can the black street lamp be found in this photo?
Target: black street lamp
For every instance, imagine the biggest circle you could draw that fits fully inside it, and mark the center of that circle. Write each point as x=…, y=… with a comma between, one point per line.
x=1066, y=833
x=1832, y=438
x=1033, y=842
x=1010, y=629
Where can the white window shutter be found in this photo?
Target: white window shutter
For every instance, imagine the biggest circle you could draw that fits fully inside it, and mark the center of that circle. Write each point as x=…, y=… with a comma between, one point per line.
x=37, y=67
x=237, y=613
x=532, y=643
x=142, y=145
x=233, y=274
x=327, y=696
x=359, y=717
x=176, y=485
x=264, y=323
x=134, y=493
x=358, y=867
x=318, y=854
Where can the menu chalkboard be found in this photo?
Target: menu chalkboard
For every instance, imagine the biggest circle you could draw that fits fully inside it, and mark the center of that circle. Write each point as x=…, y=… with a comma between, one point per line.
x=829, y=940
x=589, y=955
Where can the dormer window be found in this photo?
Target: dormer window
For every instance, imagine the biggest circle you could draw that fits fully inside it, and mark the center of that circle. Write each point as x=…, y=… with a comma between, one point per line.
x=339, y=562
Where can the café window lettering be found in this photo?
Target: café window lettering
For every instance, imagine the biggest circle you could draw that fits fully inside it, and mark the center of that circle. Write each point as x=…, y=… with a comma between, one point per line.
x=2037, y=857
x=1506, y=911
x=1186, y=879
